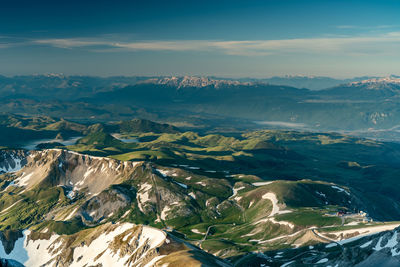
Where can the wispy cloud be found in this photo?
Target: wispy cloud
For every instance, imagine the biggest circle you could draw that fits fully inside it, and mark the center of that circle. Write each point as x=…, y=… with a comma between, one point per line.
x=359, y=45
x=372, y=27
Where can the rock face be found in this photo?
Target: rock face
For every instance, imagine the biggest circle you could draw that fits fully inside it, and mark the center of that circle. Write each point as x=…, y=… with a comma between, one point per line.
x=104, y=205
x=12, y=160
x=57, y=167
x=8, y=239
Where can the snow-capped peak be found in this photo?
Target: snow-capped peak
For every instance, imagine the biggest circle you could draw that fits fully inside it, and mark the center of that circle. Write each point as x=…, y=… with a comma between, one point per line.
x=378, y=83
x=193, y=81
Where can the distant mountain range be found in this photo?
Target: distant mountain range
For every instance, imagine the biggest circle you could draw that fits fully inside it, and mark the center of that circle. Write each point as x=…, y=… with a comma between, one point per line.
x=363, y=106
x=30, y=83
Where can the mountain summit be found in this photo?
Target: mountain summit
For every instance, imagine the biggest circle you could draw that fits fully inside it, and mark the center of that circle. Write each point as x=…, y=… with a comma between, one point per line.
x=390, y=82
x=192, y=81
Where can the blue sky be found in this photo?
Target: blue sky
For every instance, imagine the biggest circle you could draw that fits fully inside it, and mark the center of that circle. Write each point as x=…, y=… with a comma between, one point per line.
x=223, y=38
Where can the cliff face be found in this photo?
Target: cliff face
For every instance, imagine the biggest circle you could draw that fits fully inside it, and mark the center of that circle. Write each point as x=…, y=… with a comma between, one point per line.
x=12, y=160
x=64, y=168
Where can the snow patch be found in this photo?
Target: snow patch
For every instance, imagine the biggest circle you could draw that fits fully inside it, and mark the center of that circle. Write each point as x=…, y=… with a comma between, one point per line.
x=366, y=244
x=182, y=185
x=275, y=208
x=331, y=245
x=324, y=260
x=262, y=183
x=196, y=231
x=340, y=189
x=236, y=190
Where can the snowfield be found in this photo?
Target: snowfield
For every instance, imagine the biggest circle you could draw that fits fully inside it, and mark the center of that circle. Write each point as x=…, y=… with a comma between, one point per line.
x=275, y=207
x=17, y=165
x=42, y=252
x=262, y=183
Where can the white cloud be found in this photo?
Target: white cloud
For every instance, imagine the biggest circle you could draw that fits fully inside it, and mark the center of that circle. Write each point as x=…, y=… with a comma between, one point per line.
x=69, y=42
x=388, y=43
x=373, y=27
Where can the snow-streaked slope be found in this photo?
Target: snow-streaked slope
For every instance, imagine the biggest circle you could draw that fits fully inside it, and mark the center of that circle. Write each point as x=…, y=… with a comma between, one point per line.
x=275, y=208
x=110, y=245
x=12, y=160
x=74, y=170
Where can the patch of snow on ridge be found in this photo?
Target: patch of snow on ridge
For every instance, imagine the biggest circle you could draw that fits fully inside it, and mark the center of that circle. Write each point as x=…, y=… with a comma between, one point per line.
x=15, y=203
x=340, y=189
x=194, y=168
x=391, y=243
x=163, y=172
x=71, y=194
x=143, y=195
x=262, y=183
x=275, y=207
x=88, y=172
x=126, y=213
x=182, y=185
x=287, y=263
x=71, y=215
x=324, y=260
x=366, y=244
x=236, y=190
x=24, y=179
x=331, y=245
x=164, y=212
x=291, y=225
x=196, y=231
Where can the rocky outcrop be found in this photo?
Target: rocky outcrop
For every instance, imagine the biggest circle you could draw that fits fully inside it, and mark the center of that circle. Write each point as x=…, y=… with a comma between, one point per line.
x=8, y=239
x=56, y=167
x=105, y=205
x=12, y=160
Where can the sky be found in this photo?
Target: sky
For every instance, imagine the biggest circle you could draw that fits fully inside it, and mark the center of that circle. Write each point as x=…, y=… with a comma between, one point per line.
x=213, y=38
